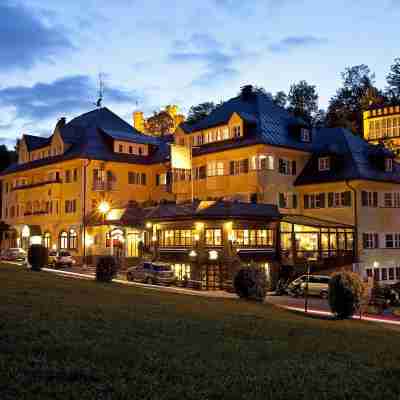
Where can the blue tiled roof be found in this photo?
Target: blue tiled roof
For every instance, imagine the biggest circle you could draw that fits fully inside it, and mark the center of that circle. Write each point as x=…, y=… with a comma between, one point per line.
x=270, y=123
x=353, y=159
x=88, y=136
x=36, y=142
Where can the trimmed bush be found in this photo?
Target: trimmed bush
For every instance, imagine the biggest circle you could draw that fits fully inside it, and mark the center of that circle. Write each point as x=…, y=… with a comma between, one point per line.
x=345, y=293
x=37, y=257
x=106, y=269
x=250, y=284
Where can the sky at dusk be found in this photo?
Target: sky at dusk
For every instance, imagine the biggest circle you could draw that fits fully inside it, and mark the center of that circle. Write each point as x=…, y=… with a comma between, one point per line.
x=153, y=53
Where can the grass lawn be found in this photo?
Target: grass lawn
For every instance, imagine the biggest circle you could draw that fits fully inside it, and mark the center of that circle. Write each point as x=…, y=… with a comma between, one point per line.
x=65, y=338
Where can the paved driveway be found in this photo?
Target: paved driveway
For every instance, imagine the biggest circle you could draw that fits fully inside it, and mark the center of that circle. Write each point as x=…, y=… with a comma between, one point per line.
x=314, y=303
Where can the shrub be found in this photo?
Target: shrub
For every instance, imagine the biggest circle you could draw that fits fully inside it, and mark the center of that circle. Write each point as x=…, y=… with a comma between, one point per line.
x=106, y=269
x=345, y=293
x=250, y=284
x=37, y=256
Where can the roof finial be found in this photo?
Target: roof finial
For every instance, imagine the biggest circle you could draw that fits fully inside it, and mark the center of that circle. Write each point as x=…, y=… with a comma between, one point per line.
x=101, y=89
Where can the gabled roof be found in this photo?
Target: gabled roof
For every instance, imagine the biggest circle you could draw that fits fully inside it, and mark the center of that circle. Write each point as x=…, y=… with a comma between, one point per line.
x=88, y=136
x=36, y=142
x=270, y=123
x=352, y=156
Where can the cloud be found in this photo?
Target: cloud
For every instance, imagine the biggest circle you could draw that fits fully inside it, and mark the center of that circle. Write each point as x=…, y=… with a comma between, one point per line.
x=26, y=38
x=207, y=51
x=293, y=42
x=62, y=97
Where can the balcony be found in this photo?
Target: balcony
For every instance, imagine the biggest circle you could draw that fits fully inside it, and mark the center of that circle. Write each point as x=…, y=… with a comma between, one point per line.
x=103, y=186
x=37, y=184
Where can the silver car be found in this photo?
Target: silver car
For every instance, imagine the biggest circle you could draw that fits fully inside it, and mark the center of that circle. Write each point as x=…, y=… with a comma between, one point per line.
x=15, y=254
x=152, y=273
x=318, y=285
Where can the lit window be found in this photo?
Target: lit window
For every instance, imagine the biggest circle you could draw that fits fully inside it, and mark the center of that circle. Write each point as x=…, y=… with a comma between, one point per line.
x=47, y=240
x=73, y=239
x=236, y=131
x=324, y=164
x=63, y=240
x=213, y=237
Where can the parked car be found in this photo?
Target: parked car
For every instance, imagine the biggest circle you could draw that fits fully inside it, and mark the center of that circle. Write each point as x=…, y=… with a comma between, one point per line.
x=318, y=285
x=152, y=273
x=61, y=259
x=15, y=254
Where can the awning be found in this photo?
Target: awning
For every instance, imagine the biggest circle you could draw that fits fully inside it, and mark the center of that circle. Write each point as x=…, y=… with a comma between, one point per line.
x=314, y=222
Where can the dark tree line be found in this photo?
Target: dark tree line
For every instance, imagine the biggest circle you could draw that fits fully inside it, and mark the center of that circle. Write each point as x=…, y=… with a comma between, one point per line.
x=356, y=93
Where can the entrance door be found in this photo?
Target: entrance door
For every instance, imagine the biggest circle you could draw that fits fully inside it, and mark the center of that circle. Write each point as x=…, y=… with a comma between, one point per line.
x=212, y=277
x=133, y=244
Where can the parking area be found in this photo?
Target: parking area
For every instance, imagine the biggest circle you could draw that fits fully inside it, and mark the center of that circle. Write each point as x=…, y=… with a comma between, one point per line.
x=314, y=302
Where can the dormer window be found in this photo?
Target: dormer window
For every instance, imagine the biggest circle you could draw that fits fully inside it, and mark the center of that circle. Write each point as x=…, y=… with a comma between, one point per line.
x=305, y=135
x=388, y=164
x=236, y=131
x=324, y=164
x=121, y=148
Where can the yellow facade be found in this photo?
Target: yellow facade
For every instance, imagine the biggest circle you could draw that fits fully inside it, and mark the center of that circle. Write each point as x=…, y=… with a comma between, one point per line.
x=382, y=125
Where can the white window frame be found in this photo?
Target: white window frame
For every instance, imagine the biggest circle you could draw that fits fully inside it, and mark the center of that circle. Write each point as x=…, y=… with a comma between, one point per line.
x=324, y=163
x=370, y=242
x=395, y=239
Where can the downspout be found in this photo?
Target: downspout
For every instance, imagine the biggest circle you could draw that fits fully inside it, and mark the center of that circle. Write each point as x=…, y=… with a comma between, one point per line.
x=353, y=189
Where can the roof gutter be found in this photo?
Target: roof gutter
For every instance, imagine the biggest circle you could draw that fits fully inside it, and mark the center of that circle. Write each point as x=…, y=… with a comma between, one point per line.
x=353, y=189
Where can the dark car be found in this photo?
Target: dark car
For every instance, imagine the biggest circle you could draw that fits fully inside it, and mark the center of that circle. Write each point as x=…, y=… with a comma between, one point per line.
x=152, y=273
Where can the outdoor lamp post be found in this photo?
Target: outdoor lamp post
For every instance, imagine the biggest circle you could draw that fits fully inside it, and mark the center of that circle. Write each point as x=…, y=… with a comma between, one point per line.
x=309, y=261
x=104, y=208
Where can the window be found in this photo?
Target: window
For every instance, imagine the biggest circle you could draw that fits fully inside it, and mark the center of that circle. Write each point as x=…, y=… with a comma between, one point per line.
x=253, y=237
x=369, y=199
x=130, y=149
x=140, y=151
x=73, y=239
x=70, y=206
x=181, y=271
x=392, y=240
x=339, y=199
x=314, y=200
x=75, y=175
x=383, y=274
x=143, y=179
x=63, y=240
x=371, y=240
x=47, y=240
x=287, y=200
x=236, y=131
x=176, y=237
x=392, y=199
x=324, y=164
x=262, y=161
x=132, y=178
x=287, y=167
x=239, y=167
x=391, y=274
x=67, y=176
x=388, y=164
x=121, y=148
x=215, y=168
x=213, y=237
x=305, y=135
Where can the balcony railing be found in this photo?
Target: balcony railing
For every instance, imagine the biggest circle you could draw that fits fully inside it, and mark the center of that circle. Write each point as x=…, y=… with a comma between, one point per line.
x=36, y=184
x=100, y=186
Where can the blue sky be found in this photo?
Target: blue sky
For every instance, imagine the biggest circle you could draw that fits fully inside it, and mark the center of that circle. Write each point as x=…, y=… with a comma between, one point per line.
x=153, y=53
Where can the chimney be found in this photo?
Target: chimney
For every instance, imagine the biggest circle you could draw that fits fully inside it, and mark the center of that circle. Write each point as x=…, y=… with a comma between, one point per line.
x=138, y=121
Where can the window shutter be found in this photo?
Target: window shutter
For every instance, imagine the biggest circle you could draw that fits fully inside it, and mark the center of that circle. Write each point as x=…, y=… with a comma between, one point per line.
x=347, y=199
x=306, y=201
x=232, y=167
x=294, y=200
x=330, y=199
x=293, y=167
x=281, y=166
x=281, y=200
x=143, y=179
x=322, y=200
x=202, y=172
x=364, y=198
x=364, y=240
x=376, y=244
x=375, y=199
x=245, y=165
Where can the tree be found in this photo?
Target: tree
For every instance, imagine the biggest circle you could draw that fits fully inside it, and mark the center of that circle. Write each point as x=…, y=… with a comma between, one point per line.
x=200, y=111
x=280, y=98
x=357, y=93
x=160, y=124
x=7, y=157
x=319, y=119
x=393, y=80
x=303, y=100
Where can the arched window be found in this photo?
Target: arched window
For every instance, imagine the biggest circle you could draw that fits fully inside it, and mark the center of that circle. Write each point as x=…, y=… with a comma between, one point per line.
x=63, y=240
x=47, y=240
x=73, y=239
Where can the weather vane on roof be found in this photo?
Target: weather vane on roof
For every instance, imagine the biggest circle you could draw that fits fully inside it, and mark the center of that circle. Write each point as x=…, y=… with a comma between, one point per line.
x=101, y=89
